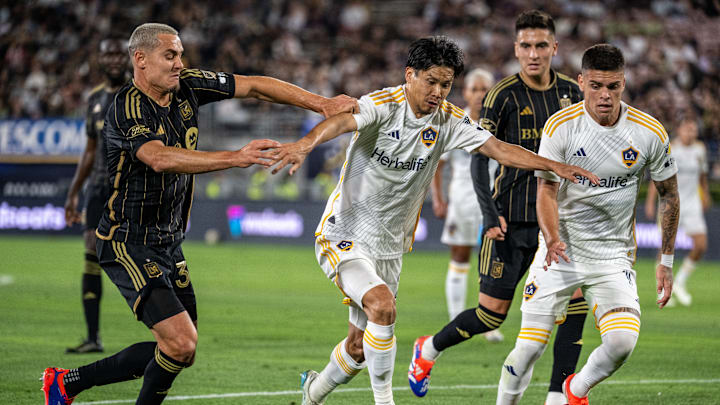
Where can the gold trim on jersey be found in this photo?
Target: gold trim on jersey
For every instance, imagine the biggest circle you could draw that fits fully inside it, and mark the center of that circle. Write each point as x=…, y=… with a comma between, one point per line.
x=132, y=104
x=557, y=124
x=332, y=205
x=417, y=221
x=185, y=73
x=116, y=185
x=497, y=181
x=384, y=97
x=452, y=109
x=493, y=93
x=550, y=124
x=648, y=122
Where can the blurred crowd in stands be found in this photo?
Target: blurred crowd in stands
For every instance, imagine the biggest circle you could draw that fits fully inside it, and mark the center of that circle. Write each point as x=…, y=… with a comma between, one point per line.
x=671, y=48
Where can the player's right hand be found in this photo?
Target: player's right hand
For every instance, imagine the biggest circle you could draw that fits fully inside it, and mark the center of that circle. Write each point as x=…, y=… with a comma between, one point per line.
x=293, y=154
x=572, y=173
x=555, y=251
x=497, y=232
x=258, y=152
x=340, y=104
x=72, y=215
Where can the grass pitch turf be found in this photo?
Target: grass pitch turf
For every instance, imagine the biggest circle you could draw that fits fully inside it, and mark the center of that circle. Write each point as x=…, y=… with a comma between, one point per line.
x=267, y=313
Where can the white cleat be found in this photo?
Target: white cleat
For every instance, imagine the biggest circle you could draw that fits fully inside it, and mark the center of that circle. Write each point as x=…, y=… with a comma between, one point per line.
x=494, y=336
x=682, y=295
x=306, y=378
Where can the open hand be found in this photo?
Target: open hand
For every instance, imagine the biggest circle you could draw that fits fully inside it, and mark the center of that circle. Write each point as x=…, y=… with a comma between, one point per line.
x=664, y=278
x=497, y=232
x=555, y=251
x=292, y=154
x=339, y=104
x=259, y=152
x=573, y=172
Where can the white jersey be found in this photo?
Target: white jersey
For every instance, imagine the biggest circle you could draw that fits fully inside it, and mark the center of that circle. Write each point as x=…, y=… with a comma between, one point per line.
x=691, y=163
x=598, y=222
x=390, y=162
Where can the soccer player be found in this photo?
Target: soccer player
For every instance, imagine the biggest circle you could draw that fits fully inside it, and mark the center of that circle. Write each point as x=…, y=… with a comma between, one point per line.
x=588, y=231
x=691, y=159
x=515, y=111
x=461, y=211
x=151, y=136
x=370, y=218
x=112, y=59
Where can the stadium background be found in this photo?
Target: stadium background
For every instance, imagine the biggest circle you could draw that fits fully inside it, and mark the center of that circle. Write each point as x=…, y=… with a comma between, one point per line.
x=48, y=66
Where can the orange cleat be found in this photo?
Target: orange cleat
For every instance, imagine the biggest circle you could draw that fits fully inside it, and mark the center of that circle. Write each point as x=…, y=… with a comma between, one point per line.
x=54, y=387
x=572, y=399
x=419, y=372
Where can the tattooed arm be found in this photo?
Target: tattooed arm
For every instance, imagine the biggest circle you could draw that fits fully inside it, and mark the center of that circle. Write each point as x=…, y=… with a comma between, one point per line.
x=669, y=213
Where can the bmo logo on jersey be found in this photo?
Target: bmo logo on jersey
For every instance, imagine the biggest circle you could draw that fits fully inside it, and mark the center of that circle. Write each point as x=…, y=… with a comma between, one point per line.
x=630, y=156
x=428, y=136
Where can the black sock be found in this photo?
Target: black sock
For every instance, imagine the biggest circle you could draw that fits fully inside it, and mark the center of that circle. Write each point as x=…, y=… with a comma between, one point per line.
x=568, y=343
x=91, y=294
x=159, y=376
x=469, y=323
x=125, y=365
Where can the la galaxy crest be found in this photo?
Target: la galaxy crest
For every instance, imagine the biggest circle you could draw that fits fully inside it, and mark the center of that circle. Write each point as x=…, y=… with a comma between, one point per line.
x=529, y=290
x=630, y=156
x=428, y=136
x=345, y=245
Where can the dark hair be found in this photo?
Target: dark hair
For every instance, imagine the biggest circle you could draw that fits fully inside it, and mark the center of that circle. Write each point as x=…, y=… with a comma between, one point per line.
x=535, y=19
x=436, y=51
x=604, y=57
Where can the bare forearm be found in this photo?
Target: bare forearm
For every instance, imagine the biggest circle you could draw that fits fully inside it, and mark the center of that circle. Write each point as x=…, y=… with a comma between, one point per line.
x=168, y=159
x=547, y=210
x=82, y=171
x=516, y=156
x=669, y=213
x=276, y=91
x=329, y=129
x=436, y=184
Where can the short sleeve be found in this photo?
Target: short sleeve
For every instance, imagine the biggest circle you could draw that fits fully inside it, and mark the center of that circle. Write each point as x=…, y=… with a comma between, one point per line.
x=368, y=114
x=553, y=148
x=661, y=163
x=129, y=129
x=209, y=86
x=466, y=135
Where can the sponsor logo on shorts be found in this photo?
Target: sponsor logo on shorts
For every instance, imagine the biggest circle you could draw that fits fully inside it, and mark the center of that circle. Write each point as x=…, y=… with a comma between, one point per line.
x=428, y=136
x=630, y=156
x=345, y=245
x=529, y=291
x=497, y=269
x=152, y=269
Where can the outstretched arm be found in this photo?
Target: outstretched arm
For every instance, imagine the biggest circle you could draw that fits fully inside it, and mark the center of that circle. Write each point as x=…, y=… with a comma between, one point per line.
x=294, y=153
x=521, y=158
x=669, y=214
x=168, y=159
x=277, y=91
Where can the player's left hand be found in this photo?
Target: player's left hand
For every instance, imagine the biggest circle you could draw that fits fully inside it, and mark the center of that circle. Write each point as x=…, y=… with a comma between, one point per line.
x=293, y=154
x=339, y=104
x=664, y=278
x=572, y=173
x=555, y=251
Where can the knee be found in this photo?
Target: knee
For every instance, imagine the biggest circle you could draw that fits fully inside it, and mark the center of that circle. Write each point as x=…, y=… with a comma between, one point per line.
x=380, y=307
x=620, y=345
x=182, y=347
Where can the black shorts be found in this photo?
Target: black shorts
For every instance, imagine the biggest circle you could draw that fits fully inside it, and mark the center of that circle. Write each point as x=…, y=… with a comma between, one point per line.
x=138, y=270
x=94, y=207
x=503, y=264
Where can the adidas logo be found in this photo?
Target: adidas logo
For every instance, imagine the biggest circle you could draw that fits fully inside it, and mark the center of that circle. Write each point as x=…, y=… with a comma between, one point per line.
x=580, y=153
x=510, y=370
x=394, y=134
x=526, y=111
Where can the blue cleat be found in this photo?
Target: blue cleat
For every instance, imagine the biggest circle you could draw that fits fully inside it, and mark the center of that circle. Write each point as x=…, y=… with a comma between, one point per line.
x=306, y=378
x=419, y=372
x=54, y=387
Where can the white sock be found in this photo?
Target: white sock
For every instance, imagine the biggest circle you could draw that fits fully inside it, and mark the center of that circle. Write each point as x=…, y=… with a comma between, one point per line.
x=428, y=350
x=555, y=398
x=379, y=347
x=340, y=370
x=517, y=369
x=687, y=268
x=619, y=331
x=456, y=287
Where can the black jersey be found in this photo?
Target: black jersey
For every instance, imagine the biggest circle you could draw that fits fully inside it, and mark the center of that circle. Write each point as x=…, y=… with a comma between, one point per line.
x=146, y=207
x=516, y=113
x=98, y=103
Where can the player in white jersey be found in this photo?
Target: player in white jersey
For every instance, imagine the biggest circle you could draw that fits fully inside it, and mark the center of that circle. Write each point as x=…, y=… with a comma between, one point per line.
x=370, y=218
x=588, y=231
x=463, y=217
x=691, y=159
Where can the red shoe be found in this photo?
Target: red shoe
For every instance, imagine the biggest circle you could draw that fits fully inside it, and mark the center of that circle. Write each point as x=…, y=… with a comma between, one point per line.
x=572, y=399
x=419, y=372
x=54, y=387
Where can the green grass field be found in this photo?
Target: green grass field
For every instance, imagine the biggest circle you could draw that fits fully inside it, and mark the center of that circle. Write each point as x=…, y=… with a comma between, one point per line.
x=267, y=313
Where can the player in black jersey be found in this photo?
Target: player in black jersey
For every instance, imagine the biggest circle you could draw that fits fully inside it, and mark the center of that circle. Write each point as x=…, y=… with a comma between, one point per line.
x=113, y=61
x=151, y=136
x=515, y=111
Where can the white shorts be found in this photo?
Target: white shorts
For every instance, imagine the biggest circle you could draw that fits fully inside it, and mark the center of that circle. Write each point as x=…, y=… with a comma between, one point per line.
x=692, y=220
x=355, y=272
x=462, y=223
x=605, y=287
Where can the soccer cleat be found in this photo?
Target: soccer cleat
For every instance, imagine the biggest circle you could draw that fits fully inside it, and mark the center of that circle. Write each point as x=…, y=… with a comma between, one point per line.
x=494, y=336
x=419, y=372
x=87, y=346
x=682, y=295
x=306, y=378
x=572, y=399
x=54, y=387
